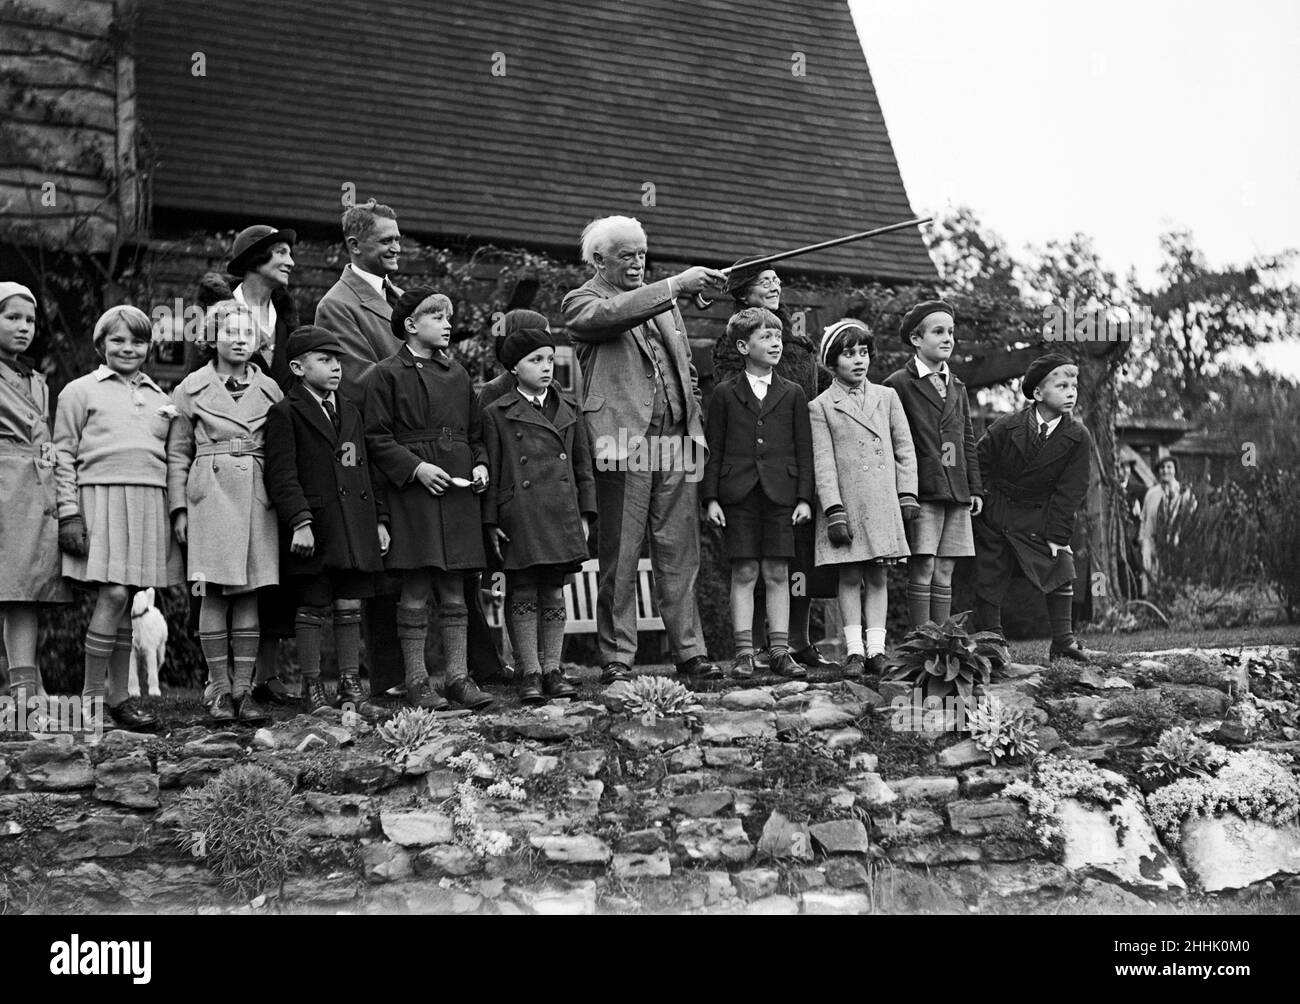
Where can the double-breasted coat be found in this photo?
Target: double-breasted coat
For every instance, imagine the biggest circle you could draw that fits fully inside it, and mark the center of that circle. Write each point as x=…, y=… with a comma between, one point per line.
x=31, y=570
x=315, y=472
x=423, y=411
x=541, y=482
x=215, y=465
x=1030, y=500
x=864, y=460
x=947, y=466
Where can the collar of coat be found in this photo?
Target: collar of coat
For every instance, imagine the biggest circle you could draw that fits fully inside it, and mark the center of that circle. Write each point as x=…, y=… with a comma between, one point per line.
x=515, y=408
x=1063, y=437
x=310, y=407
x=105, y=372
x=873, y=415
x=206, y=380
x=666, y=328
x=926, y=386
x=744, y=393
x=20, y=364
x=410, y=359
x=365, y=293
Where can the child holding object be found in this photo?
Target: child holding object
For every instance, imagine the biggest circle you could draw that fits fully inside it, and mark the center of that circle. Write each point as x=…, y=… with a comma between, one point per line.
x=866, y=483
x=758, y=483
x=540, y=501
x=110, y=439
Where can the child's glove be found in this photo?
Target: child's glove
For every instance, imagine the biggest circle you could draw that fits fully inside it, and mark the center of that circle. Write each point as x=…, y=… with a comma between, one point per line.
x=72, y=536
x=911, y=508
x=837, y=526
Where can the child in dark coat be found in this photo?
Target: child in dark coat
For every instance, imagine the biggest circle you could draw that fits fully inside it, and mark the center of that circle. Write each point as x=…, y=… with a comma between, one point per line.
x=758, y=483
x=318, y=478
x=425, y=436
x=948, y=476
x=1035, y=466
x=540, y=501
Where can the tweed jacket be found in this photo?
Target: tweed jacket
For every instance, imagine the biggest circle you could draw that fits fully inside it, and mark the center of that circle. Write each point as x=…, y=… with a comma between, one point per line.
x=947, y=464
x=362, y=320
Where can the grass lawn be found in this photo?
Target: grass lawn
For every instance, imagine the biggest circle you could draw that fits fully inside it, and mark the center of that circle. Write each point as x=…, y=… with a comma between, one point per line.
x=1157, y=639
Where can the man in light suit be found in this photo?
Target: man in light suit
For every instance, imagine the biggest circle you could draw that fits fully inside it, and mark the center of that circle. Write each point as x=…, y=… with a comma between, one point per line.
x=359, y=310
x=640, y=392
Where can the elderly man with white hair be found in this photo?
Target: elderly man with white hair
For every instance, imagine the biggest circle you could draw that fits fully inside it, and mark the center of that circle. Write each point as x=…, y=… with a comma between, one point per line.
x=642, y=407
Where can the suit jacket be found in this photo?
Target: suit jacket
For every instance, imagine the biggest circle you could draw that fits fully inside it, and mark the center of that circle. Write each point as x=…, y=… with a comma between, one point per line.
x=753, y=443
x=362, y=319
x=610, y=328
x=316, y=474
x=947, y=463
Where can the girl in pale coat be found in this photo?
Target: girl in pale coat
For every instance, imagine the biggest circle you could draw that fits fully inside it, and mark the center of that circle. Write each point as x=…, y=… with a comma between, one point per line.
x=30, y=569
x=110, y=442
x=220, y=506
x=866, y=484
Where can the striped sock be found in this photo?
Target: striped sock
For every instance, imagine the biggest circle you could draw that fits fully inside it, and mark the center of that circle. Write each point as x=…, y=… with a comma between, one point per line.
x=99, y=650
x=243, y=643
x=308, y=623
x=940, y=603
x=744, y=642
x=216, y=653
x=347, y=641
x=1059, y=602
x=119, y=666
x=778, y=643
x=919, y=603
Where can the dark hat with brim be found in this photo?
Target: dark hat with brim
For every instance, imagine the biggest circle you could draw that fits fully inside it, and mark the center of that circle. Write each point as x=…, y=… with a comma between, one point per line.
x=254, y=239
x=1039, y=368
x=740, y=277
x=919, y=313
x=312, y=338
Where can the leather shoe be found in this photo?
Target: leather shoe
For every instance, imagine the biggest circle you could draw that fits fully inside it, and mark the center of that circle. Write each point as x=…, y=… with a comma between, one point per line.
x=129, y=715
x=876, y=664
x=1074, y=651
x=854, y=667
x=465, y=693
x=556, y=685
x=313, y=695
x=530, y=691
x=265, y=695
x=426, y=697
x=742, y=667
x=699, y=668
x=248, y=711
x=784, y=665
x=350, y=691
x=613, y=672
x=221, y=708
x=812, y=658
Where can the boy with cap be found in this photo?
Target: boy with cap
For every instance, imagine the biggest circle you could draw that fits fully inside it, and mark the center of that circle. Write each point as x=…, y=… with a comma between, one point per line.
x=948, y=477
x=318, y=478
x=1034, y=466
x=540, y=500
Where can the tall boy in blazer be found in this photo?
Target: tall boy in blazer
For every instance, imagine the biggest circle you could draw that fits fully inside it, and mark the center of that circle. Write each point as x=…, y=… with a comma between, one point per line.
x=758, y=483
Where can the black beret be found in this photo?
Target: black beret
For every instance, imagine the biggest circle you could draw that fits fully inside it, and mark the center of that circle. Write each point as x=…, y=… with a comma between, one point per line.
x=312, y=338
x=524, y=332
x=405, y=307
x=919, y=313
x=1039, y=368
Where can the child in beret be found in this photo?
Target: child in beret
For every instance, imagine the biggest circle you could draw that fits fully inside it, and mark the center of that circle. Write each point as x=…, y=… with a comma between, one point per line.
x=948, y=477
x=1034, y=465
x=866, y=483
x=540, y=500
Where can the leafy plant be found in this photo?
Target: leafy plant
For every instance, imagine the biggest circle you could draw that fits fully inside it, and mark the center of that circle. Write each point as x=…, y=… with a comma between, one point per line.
x=1051, y=781
x=1253, y=784
x=468, y=825
x=406, y=732
x=1180, y=752
x=242, y=824
x=660, y=696
x=1149, y=712
x=1001, y=731
x=941, y=658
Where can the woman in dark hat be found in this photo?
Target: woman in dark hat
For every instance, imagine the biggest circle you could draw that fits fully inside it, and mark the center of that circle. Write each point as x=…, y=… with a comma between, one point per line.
x=762, y=288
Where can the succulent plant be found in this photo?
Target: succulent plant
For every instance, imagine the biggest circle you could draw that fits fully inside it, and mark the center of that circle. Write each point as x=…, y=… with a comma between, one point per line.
x=654, y=695
x=1001, y=731
x=1180, y=752
x=406, y=732
x=941, y=658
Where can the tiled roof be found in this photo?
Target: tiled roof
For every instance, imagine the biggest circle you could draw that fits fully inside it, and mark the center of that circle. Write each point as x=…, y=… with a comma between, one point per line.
x=596, y=100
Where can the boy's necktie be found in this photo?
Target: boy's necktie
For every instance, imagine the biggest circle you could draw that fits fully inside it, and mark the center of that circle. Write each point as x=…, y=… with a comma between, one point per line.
x=939, y=385
x=1040, y=438
x=332, y=412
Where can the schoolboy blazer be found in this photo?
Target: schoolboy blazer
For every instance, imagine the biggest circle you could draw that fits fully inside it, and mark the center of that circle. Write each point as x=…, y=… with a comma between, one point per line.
x=758, y=444
x=941, y=430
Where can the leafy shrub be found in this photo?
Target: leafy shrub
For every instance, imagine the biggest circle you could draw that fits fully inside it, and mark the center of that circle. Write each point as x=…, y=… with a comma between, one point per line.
x=242, y=824
x=1180, y=752
x=406, y=732
x=1051, y=781
x=943, y=658
x=1150, y=712
x=1253, y=784
x=1001, y=731
x=1059, y=679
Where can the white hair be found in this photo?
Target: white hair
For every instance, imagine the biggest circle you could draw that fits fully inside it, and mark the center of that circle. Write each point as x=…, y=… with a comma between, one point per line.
x=597, y=234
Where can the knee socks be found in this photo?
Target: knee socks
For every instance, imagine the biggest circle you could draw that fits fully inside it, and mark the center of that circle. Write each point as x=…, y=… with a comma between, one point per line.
x=523, y=622
x=216, y=653
x=778, y=643
x=1059, y=602
x=919, y=601
x=940, y=602
x=347, y=641
x=744, y=642
x=99, y=649
x=243, y=644
x=553, y=617
x=119, y=665
x=307, y=625
x=412, y=627
x=455, y=642
x=800, y=609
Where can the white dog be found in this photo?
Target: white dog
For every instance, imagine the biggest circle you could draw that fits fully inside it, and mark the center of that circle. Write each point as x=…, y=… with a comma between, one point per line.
x=148, y=643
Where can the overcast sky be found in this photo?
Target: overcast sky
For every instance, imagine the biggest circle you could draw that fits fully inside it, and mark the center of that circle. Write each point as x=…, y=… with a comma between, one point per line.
x=1118, y=118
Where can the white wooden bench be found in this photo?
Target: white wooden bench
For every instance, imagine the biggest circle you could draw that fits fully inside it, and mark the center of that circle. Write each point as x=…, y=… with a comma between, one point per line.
x=580, y=600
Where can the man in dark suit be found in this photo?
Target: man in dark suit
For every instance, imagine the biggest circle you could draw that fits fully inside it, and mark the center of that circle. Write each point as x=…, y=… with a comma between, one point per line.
x=640, y=398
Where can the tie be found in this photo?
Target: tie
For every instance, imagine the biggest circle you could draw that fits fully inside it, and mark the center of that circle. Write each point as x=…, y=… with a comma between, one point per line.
x=1040, y=438
x=332, y=412
x=536, y=403
x=939, y=385
x=390, y=294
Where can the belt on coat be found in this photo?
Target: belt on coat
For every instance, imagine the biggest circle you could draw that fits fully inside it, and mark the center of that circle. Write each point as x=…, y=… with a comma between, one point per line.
x=11, y=446
x=429, y=436
x=239, y=446
x=1015, y=495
